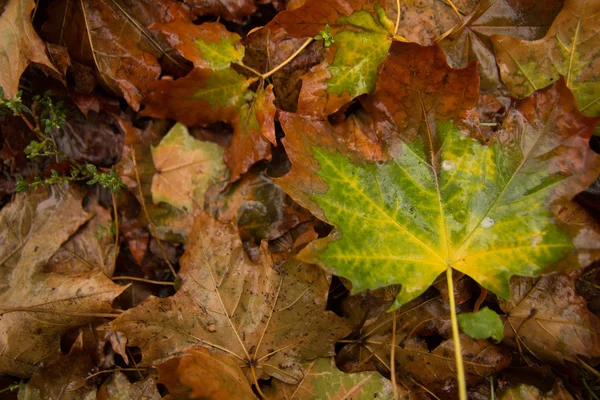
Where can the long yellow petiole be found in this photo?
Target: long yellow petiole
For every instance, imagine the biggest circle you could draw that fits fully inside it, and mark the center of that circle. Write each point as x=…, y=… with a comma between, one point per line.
x=460, y=369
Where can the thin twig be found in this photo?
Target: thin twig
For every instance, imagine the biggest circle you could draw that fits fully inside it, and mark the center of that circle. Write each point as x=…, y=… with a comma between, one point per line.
x=107, y=371
x=393, y=357
x=397, y=18
x=134, y=278
x=288, y=60
x=150, y=223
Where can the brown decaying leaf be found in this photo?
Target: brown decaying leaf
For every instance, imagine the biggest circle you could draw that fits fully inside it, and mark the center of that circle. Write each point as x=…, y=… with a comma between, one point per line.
x=63, y=378
x=424, y=21
x=231, y=10
x=308, y=20
x=90, y=247
x=118, y=387
x=548, y=320
x=436, y=369
x=528, y=20
x=266, y=319
x=34, y=228
x=199, y=374
x=21, y=46
x=106, y=35
x=415, y=88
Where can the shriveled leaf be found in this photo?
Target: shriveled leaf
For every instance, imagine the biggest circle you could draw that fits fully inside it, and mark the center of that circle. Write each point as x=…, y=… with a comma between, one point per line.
x=482, y=324
x=416, y=88
x=199, y=374
x=64, y=378
x=38, y=229
x=570, y=49
x=209, y=45
x=435, y=369
x=185, y=168
x=547, y=319
x=447, y=200
x=527, y=20
x=262, y=317
x=118, y=387
x=21, y=45
x=323, y=380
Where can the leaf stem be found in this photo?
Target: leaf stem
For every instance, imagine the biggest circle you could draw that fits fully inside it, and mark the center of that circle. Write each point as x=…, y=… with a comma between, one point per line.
x=397, y=17
x=460, y=369
x=260, y=392
x=289, y=59
x=114, y=264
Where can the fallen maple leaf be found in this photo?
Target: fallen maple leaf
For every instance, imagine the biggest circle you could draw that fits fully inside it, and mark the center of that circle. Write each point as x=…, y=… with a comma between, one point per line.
x=36, y=226
x=264, y=318
x=545, y=317
x=202, y=375
x=21, y=45
x=570, y=49
x=435, y=206
x=185, y=168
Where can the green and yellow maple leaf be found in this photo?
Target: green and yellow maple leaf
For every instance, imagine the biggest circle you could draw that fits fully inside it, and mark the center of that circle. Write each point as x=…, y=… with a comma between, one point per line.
x=571, y=49
x=185, y=168
x=448, y=201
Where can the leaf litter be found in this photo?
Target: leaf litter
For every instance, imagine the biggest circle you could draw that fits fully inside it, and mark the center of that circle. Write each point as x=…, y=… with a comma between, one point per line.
x=321, y=199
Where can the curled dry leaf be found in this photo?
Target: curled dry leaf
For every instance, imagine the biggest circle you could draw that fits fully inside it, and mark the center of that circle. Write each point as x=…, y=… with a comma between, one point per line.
x=264, y=318
x=21, y=45
x=435, y=206
x=571, y=49
x=185, y=168
x=199, y=374
x=546, y=318
x=63, y=378
x=34, y=228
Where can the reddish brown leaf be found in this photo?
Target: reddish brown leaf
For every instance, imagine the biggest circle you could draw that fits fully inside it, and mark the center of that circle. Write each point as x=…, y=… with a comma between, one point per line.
x=231, y=10
x=416, y=87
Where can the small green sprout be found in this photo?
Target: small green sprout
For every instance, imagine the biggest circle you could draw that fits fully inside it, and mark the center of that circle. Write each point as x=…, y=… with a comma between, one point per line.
x=12, y=106
x=108, y=180
x=52, y=115
x=325, y=36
